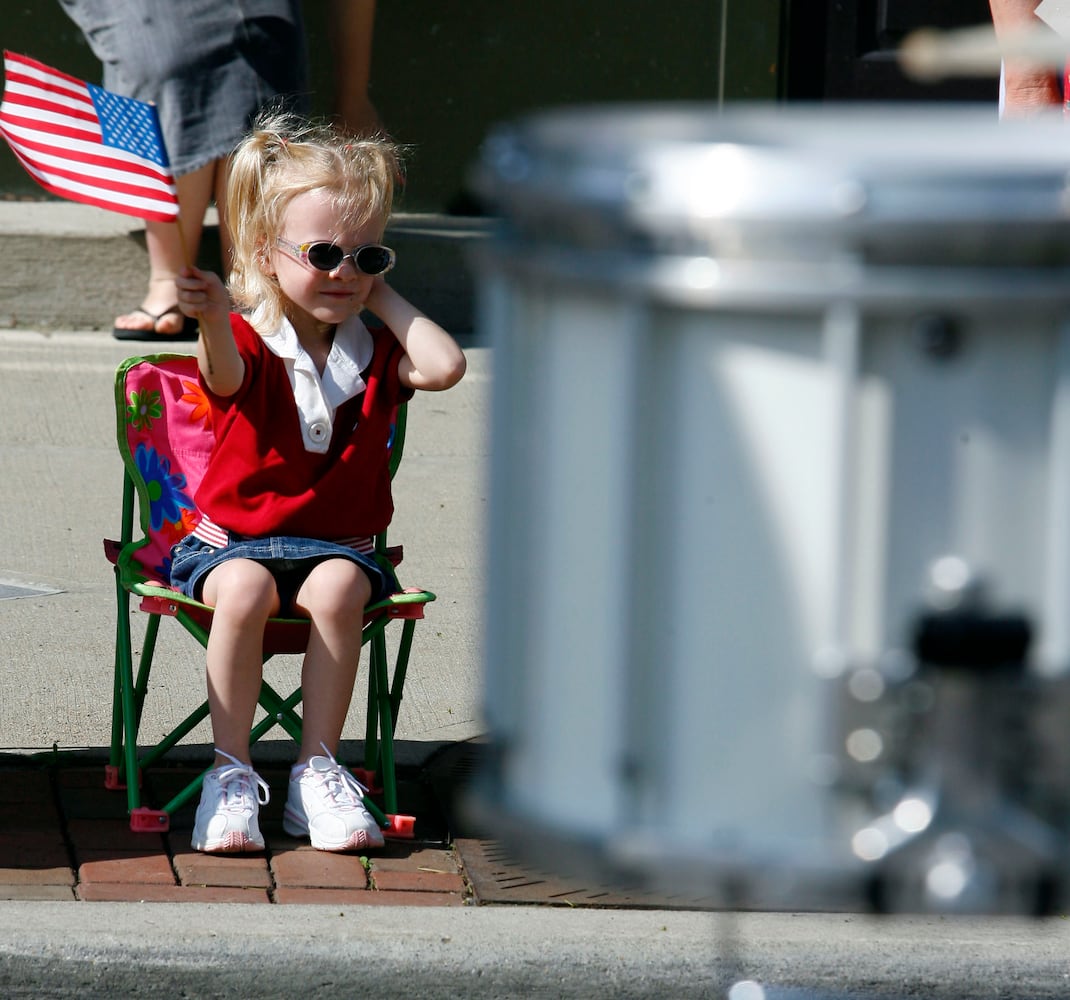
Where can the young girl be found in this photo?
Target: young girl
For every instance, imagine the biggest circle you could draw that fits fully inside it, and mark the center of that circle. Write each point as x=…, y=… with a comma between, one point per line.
x=297, y=486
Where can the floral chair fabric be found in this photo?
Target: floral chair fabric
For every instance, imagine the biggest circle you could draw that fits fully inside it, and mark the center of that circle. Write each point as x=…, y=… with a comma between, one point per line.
x=165, y=440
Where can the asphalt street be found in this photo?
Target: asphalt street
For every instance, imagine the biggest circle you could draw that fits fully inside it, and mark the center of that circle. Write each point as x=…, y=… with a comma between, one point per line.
x=104, y=950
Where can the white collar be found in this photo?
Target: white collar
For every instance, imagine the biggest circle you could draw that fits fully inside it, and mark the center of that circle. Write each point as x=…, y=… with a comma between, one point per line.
x=317, y=396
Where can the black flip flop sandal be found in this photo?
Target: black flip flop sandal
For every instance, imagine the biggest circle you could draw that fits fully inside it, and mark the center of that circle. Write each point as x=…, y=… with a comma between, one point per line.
x=188, y=331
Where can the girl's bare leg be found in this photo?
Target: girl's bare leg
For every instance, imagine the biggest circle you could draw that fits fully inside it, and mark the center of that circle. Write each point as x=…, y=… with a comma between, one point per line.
x=244, y=596
x=334, y=596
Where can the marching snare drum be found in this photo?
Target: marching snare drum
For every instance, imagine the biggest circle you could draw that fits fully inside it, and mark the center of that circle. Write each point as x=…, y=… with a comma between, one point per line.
x=755, y=373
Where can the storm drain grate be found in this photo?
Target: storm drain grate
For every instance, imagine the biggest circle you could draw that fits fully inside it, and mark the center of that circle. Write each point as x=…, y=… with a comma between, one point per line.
x=11, y=589
x=497, y=876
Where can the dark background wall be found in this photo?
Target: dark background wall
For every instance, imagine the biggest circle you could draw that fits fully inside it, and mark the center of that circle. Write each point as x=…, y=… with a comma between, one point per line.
x=443, y=73
x=846, y=49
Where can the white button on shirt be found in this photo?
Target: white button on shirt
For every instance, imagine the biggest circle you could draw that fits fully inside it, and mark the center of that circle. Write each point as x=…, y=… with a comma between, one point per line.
x=317, y=396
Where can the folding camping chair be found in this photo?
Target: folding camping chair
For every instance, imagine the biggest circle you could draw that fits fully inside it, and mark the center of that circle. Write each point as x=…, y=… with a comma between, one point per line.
x=164, y=437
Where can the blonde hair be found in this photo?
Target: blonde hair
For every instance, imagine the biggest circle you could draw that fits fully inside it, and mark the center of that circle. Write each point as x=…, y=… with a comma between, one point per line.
x=285, y=156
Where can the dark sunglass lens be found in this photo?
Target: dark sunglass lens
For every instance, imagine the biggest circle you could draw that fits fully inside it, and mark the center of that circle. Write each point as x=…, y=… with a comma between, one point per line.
x=324, y=256
x=373, y=259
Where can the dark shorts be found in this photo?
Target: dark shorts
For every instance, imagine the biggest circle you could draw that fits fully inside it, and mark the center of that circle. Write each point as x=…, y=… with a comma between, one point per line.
x=290, y=560
x=207, y=65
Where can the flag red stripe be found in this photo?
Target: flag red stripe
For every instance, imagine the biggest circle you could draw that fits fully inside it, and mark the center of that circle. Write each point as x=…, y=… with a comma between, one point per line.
x=41, y=104
x=40, y=67
x=101, y=159
x=116, y=187
x=52, y=129
x=100, y=202
x=49, y=79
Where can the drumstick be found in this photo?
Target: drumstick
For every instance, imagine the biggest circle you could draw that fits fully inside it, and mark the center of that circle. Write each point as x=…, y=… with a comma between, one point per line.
x=929, y=54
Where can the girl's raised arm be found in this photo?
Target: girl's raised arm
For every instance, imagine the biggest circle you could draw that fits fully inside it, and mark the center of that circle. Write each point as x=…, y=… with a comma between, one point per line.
x=433, y=360
x=202, y=295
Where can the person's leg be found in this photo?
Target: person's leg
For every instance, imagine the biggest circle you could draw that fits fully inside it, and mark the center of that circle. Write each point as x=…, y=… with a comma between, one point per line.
x=220, y=186
x=244, y=596
x=227, y=818
x=325, y=802
x=168, y=252
x=333, y=596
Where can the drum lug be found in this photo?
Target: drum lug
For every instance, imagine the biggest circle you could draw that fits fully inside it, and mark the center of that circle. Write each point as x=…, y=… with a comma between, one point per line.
x=960, y=836
x=938, y=335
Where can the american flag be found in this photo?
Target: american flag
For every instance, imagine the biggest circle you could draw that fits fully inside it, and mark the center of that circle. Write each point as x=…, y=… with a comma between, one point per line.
x=85, y=143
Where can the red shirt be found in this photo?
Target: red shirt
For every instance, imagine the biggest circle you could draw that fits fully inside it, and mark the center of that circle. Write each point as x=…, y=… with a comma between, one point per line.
x=261, y=481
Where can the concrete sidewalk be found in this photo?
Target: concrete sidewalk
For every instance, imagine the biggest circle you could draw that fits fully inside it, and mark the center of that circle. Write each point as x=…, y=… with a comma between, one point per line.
x=74, y=267
x=61, y=495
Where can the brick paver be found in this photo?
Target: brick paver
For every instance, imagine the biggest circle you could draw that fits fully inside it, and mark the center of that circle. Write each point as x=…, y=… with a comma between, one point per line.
x=306, y=868
x=64, y=836
x=140, y=867
x=125, y=892
x=248, y=871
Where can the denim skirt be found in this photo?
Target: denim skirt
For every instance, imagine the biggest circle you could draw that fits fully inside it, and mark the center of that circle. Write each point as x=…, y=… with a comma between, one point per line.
x=207, y=65
x=289, y=560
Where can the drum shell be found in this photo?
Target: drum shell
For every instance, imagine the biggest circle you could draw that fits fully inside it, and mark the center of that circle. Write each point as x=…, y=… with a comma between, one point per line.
x=722, y=466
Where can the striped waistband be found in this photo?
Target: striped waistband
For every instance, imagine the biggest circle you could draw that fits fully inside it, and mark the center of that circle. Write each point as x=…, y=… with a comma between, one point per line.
x=212, y=534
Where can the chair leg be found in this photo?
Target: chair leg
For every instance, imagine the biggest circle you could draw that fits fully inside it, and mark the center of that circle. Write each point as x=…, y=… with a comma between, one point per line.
x=148, y=650
x=115, y=756
x=280, y=712
x=177, y=734
x=401, y=667
x=379, y=676
x=371, y=729
x=185, y=795
x=384, y=700
x=128, y=698
x=128, y=763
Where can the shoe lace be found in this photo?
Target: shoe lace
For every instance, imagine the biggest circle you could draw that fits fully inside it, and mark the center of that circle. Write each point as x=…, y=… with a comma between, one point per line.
x=343, y=789
x=239, y=783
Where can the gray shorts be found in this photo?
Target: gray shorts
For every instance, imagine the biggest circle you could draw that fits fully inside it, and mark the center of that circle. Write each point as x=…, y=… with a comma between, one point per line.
x=208, y=65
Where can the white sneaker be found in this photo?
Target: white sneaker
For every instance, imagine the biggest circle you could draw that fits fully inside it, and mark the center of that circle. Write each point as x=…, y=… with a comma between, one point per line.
x=226, y=820
x=325, y=803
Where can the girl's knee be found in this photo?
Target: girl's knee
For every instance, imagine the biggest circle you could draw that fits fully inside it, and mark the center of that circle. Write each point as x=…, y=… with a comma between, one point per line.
x=242, y=589
x=335, y=589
